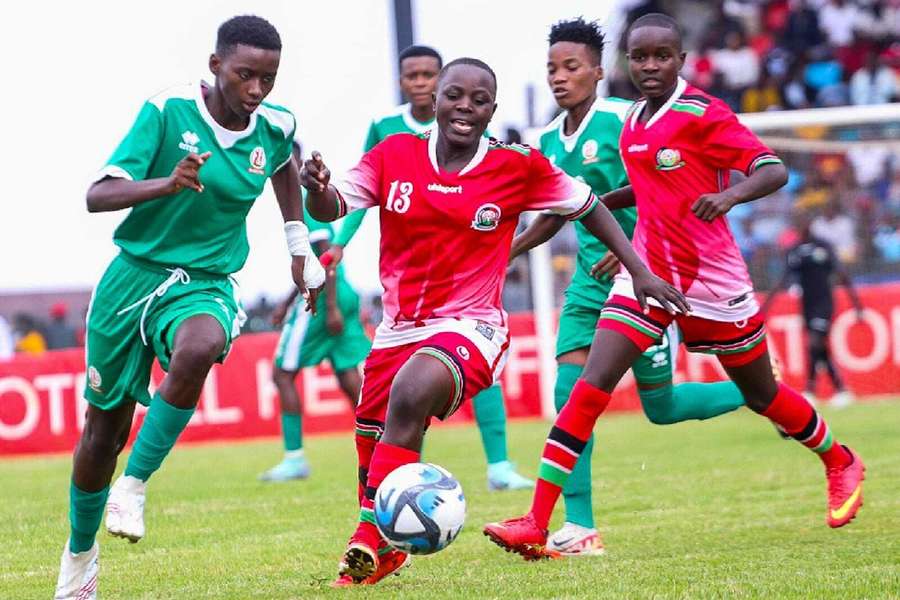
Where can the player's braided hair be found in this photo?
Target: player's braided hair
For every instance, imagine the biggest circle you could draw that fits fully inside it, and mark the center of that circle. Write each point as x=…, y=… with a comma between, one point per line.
x=248, y=30
x=579, y=31
x=465, y=60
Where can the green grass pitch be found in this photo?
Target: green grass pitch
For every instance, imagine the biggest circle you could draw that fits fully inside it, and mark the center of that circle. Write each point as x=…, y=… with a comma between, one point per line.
x=721, y=509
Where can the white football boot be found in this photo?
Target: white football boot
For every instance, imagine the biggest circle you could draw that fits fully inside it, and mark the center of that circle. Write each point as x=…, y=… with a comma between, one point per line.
x=78, y=574
x=125, y=508
x=575, y=540
x=842, y=399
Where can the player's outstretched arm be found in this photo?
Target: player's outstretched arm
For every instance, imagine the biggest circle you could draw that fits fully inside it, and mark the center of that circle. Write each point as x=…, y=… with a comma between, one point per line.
x=116, y=193
x=307, y=273
x=321, y=198
x=544, y=227
x=604, y=227
x=619, y=198
x=762, y=182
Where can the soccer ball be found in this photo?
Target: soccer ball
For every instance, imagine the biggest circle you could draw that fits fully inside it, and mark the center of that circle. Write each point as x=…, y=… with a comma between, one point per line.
x=420, y=508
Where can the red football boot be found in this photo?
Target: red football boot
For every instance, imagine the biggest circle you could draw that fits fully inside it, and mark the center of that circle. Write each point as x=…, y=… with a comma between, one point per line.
x=845, y=490
x=390, y=562
x=522, y=536
x=359, y=562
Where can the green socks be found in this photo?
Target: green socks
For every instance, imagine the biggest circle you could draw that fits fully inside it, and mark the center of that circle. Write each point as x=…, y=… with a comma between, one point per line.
x=85, y=513
x=292, y=431
x=490, y=414
x=685, y=401
x=577, y=490
x=162, y=426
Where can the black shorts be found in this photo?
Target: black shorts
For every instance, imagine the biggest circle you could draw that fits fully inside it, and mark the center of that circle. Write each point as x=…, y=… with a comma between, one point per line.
x=818, y=321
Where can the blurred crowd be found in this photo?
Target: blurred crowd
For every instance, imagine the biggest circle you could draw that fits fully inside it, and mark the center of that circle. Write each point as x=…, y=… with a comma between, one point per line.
x=27, y=333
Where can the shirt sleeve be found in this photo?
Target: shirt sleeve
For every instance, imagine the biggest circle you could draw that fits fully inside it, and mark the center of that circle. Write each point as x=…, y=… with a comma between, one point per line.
x=285, y=149
x=728, y=144
x=359, y=187
x=349, y=227
x=135, y=153
x=372, y=138
x=548, y=188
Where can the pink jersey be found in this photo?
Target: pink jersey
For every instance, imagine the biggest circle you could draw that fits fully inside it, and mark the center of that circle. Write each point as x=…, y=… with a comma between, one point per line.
x=685, y=150
x=445, y=237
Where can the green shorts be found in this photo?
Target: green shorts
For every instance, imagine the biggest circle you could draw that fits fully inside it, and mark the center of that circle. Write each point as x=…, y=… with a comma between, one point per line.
x=133, y=316
x=306, y=342
x=577, y=324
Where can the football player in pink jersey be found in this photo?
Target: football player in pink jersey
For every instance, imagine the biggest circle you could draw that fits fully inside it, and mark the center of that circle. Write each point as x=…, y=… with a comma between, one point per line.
x=678, y=145
x=449, y=201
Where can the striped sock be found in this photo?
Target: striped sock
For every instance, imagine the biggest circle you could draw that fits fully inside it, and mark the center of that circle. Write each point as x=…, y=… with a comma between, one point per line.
x=801, y=421
x=365, y=446
x=565, y=444
x=385, y=458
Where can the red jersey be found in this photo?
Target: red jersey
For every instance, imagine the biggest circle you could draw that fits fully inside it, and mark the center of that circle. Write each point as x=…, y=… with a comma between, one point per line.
x=445, y=237
x=685, y=150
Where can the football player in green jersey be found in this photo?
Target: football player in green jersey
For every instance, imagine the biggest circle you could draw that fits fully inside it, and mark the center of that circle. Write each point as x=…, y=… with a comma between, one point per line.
x=419, y=68
x=189, y=170
x=584, y=142
x=334, y=332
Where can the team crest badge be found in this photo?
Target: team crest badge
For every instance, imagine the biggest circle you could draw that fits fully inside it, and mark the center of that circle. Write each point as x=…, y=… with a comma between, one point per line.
x=668, y=159
x=487, y=217
x=258, y=161
x=589, y=152
x=94, y=380
x=463, y=352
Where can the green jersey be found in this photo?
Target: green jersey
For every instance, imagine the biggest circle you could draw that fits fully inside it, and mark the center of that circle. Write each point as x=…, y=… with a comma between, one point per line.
x=203, y=231
x=591, y=154
x=400, y=120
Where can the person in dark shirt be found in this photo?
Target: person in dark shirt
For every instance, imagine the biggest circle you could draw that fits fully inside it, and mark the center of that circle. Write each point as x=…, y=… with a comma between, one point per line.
x=813, y=264
x=58, y=332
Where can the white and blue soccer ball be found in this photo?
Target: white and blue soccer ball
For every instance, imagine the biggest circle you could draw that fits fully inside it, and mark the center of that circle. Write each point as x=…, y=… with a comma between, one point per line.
x=420, y=508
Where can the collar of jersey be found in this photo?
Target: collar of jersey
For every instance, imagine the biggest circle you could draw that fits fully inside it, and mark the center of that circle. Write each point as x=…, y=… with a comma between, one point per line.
x=483, y=144
x=225, y=137
x=679, y=90
x=569, y=141
x=410, y=120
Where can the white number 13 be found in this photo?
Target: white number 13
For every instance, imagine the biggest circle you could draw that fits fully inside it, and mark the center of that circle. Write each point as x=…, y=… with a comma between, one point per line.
x=399, y=203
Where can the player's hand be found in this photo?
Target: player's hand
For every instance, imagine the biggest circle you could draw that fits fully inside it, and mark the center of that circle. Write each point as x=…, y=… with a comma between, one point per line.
x=606, y=267
x=315, y=175
x=711, y=206
x=309, y=294
x=647, y=285
x=334, y=321
x=279, y=314
x=331, y=258
x=186, y=173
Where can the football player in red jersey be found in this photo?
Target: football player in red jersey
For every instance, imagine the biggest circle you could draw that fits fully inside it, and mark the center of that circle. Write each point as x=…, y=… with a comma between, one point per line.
x=449, y=201
x=679, y=145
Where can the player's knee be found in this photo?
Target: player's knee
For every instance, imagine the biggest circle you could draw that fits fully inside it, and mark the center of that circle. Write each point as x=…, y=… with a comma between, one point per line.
x=280, y=377
x=101, y=444
x=197, y=354
x=659, y=405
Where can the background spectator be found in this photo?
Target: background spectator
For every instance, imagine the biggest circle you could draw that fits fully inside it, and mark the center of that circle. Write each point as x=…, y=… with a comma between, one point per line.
x=28, y=339
x=59, y=334
x=874, y=83
x=7, y=342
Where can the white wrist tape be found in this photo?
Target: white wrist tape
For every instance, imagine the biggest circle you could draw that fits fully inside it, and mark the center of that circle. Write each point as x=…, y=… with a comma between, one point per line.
x=297, y=236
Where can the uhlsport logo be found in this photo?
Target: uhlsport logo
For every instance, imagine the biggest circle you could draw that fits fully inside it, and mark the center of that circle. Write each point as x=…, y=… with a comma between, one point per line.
x=94, y=380
x=589, y=152
x=487, y=217
x=189, y=141
x=258, y=161
x=668, y=159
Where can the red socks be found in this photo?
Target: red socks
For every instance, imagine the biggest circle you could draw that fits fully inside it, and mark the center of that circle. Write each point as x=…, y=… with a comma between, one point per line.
x=385, y=459
x=800, y=420
x=564, y=445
